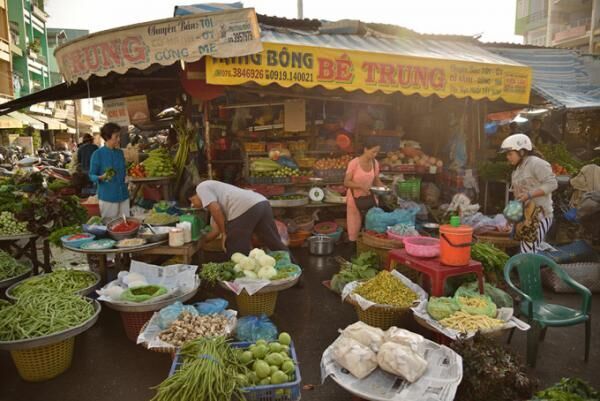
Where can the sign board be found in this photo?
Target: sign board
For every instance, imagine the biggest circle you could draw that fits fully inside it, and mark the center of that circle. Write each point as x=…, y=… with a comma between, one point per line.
x=188, y=38
x=116, y=111
x=308, y=66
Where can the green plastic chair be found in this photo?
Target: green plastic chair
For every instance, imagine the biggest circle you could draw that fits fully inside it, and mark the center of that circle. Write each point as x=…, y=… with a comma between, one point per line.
x=538, y=312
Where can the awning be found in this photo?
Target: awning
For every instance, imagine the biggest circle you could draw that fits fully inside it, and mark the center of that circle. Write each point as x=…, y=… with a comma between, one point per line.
x=9, y=122
x=52, y=123
x=27, y=120
x=188, y=38
x=559, y=75
x=370, y=64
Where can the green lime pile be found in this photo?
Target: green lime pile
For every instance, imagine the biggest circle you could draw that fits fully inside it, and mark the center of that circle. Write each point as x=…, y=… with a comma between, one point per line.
x=269, y=363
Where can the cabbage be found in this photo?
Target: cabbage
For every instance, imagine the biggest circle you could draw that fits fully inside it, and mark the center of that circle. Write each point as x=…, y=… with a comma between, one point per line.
x=250, y=274
x=247, y=264
x=256, y=253
x=237, y=268
x=266, y=261
x=237, y=257
x=266, y=272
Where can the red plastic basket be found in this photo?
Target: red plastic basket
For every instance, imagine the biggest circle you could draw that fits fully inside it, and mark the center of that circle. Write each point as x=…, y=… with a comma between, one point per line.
x=133, y=323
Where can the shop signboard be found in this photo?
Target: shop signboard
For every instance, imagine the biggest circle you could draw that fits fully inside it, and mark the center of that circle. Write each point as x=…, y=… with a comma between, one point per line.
x=189, y=38
x=116, y=111
x=332, y=68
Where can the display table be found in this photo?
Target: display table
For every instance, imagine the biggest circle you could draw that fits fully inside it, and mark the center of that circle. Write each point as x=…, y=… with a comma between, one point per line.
x=163, y=182
x=101, y=254
x=434, y=269
x=28, y=249
x=187, y=251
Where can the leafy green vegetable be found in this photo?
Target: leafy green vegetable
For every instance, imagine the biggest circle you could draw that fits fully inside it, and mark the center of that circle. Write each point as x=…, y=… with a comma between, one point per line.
x=363, y=267
x=56, y=235
x=568, y=389
x=10, y=267
x=212, y=272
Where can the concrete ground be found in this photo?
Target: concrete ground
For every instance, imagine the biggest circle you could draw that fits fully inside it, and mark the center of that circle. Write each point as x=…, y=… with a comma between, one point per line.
x=107, y=366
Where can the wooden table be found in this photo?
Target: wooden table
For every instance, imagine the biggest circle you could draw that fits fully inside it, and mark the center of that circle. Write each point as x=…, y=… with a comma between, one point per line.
x=188, y=251
x=434, y=269
x=29, y=250
x=102, y=255
x=163, y=182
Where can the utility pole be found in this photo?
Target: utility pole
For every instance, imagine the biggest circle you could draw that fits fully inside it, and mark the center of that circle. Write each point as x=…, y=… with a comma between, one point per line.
x=300, y=9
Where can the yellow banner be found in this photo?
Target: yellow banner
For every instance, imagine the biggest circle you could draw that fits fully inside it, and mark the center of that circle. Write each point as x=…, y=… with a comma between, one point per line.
x=371, y=72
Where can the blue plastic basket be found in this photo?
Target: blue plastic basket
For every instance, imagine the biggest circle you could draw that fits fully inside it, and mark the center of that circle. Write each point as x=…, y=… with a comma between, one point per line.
x=280, y=392
x=78, y=242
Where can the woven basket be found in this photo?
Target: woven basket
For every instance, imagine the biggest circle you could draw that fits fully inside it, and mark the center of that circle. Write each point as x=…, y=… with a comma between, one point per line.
x=586, y=274
x=502, y=242
x=44, y=363
x=256, y=304
x=163, y=350
x=381, y=243
x=383, y=317
x=133, y=323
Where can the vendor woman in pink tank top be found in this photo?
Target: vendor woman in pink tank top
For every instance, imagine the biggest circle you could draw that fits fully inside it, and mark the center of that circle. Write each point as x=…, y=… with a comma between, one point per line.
x=362, y=174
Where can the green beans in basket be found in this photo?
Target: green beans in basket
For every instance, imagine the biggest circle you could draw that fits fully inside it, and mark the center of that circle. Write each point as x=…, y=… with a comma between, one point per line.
x=62, y=281
x=39, y=314
x=10, y=267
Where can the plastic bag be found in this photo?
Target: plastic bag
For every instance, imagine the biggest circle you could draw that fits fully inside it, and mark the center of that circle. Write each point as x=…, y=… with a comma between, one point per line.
x=254, y=328
x=143, y=293
x=486, y=306
x=441, y=307
x=358, y=359
x=514, y=211
x=414, y=341
x=283, y=232
x=368, y=336
x=169, y=314
x=499, y=297
x=482, y=223
x=378, y=220
x=401, y=360
x=211, y=306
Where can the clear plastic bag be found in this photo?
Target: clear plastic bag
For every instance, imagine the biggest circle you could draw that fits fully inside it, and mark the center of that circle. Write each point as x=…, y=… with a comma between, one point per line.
x=211, y=306
x=254, y=328
x=514, y=211
x=501, y=298
x=169, y=314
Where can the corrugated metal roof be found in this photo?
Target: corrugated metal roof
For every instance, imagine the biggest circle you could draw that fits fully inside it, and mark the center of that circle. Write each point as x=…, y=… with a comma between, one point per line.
x=559, y=75
x=415, y=47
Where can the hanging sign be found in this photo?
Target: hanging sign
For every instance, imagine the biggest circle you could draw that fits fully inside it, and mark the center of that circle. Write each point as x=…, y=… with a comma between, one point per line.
x=188, y=38
x=307, y=66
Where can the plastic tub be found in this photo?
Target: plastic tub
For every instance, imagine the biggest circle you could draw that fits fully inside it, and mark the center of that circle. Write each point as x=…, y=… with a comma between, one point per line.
x=455, y=245
x=394, y=236
x=76, y=243
x=422, y=247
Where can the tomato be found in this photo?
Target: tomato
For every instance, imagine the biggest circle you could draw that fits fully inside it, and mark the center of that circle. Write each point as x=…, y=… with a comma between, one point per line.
x=124, y=227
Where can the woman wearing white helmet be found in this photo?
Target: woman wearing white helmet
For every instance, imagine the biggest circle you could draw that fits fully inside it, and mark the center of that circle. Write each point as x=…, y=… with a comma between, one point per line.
x=532, y=180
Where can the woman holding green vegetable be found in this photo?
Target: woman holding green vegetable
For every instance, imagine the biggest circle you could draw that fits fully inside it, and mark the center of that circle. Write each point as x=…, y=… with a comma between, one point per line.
x=108, y=170
x=532, y=183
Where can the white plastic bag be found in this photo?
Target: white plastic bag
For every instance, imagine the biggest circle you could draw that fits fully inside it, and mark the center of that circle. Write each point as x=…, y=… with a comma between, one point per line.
x=414, y=341
x=368, y=336
x=400, y=360
x=355, y=357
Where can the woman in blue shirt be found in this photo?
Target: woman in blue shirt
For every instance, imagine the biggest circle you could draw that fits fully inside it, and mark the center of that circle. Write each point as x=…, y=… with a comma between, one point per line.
x=108, y=170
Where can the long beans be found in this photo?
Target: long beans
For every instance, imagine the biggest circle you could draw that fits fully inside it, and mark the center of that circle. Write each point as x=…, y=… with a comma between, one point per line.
x=37, y=314
x=9, y=267
x=59, y=281
x=209, y=372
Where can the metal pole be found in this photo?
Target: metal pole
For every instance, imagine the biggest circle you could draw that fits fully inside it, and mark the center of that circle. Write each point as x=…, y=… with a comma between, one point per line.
x=595, y=8
x=76, y=121
x=300, y=9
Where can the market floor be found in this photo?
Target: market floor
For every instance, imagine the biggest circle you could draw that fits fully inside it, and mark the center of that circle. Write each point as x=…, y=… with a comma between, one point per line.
x=107, y=366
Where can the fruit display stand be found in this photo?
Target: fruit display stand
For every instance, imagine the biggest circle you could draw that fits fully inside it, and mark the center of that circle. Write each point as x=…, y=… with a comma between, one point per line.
x=135, y=316
x=262, y=301
x=163, y=182
x=46, y=357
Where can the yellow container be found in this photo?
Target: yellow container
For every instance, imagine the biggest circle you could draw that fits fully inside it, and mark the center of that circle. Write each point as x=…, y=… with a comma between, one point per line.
x=44, y=363
x=256, y=304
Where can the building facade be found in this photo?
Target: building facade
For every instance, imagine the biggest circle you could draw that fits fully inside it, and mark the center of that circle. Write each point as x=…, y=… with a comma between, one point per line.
x=27, y=21
x=573, y=24
x=6, y=85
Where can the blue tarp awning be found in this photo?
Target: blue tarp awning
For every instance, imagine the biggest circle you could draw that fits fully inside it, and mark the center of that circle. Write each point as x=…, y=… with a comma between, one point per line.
x=559, y=75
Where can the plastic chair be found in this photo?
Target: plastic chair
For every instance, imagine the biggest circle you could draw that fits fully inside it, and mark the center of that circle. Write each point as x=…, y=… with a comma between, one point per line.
x=539, y=313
